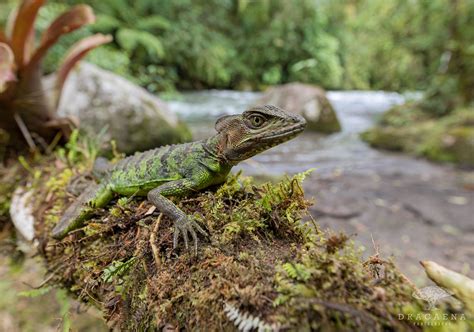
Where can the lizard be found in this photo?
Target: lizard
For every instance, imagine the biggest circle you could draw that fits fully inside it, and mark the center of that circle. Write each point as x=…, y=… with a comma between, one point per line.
x=181, y=169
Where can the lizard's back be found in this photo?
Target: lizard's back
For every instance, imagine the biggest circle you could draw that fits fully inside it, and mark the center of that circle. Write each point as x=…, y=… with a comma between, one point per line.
x=144, y=171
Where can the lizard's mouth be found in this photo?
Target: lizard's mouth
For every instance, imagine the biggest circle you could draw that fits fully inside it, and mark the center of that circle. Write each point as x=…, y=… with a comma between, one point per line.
x=286, y=133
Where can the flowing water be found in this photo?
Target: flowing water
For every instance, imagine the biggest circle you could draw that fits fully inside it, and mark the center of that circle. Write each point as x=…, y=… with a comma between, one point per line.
x=356, y=110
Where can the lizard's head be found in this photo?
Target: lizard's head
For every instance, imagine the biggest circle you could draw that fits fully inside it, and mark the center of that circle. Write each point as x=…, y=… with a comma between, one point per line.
x=257, y=129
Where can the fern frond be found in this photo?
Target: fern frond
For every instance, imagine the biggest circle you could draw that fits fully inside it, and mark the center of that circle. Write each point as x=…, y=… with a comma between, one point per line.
x=246, y=321
x=32, y=293
x=114, y=8
x=130, y=39
x=105, y=24
x=296, y=271
x=154, y=22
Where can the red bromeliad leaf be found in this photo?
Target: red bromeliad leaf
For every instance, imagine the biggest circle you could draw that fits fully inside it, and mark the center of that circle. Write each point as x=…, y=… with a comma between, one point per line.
x=22, y=27
x=3, y=37
x=67, y=22
x=7, y=63
x=29, y=46
x=76, y=53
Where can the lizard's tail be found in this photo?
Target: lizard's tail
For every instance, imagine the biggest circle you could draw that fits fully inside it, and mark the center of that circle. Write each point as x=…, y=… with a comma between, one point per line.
x=79, y=211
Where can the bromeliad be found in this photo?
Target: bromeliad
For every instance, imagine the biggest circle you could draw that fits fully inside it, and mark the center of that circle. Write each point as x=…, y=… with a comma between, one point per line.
x=178, y=170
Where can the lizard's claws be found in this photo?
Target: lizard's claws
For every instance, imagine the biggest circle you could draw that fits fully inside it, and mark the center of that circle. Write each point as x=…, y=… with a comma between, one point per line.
x=184, y=225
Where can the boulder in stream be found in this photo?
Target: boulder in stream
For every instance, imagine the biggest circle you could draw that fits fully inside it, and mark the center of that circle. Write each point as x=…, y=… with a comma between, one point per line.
x=135, y=119
x=407, y=128
x=307, y=100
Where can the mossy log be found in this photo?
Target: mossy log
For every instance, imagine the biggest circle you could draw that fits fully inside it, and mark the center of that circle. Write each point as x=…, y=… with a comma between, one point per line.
x=265, y=266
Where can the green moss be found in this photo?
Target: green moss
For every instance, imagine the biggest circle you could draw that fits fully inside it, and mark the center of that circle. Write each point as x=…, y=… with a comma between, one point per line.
x=408, y=129
x=385, y=138
x=403, y=115
x=454, y=145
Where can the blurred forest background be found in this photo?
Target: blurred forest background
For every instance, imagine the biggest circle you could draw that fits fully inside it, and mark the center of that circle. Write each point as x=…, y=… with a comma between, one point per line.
x=242, y=44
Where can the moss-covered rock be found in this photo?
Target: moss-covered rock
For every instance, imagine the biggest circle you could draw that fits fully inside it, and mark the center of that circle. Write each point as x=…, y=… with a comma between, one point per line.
x=408, y=129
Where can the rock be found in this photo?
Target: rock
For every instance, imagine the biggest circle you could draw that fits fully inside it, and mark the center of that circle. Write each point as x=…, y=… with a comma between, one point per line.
x=310, y=101
x=446, y=139
x=21, y=213
x=135, y=119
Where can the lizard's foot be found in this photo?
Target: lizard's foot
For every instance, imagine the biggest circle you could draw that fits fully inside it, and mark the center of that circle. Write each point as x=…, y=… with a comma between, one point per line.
x=184, y=225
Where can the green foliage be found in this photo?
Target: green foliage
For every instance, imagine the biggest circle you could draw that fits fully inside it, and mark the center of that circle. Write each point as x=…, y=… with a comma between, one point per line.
x=117, y=269
x=82, y=149
x=131, y=40
x=35, y=292
x=390, y=45
x=296, y=271
x=64, y=305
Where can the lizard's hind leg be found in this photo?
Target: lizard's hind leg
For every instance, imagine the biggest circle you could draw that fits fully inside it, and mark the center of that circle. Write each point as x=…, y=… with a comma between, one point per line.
x=95, y=196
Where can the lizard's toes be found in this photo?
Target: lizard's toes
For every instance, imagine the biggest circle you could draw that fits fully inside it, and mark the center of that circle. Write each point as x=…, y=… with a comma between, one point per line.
x=175, y=237
x=200, y=230
x=195, y=239
x=186, y=240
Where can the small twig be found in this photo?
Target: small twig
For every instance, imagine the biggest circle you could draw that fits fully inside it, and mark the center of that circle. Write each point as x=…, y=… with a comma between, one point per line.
x=154, y=248
x=45, y=281
x=53, y=143
x=376, y=247
x=24, y=130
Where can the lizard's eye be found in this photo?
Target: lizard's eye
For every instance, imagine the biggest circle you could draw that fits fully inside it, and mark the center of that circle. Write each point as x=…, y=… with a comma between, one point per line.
x=257, y=121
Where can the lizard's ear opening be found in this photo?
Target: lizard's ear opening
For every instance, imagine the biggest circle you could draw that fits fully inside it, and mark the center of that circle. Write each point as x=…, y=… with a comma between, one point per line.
x=224, y=122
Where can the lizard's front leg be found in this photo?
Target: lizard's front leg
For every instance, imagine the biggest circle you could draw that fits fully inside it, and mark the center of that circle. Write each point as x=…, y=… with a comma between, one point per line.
x=182, y=222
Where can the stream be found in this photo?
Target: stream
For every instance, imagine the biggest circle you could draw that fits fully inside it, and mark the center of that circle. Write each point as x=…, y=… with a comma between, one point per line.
x=411, y=209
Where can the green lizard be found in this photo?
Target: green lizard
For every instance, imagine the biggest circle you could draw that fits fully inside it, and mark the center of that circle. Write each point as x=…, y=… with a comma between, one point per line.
x=177, y=170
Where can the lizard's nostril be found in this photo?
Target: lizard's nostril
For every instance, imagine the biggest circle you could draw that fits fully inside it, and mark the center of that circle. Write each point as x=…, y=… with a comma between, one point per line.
x=300, y=119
